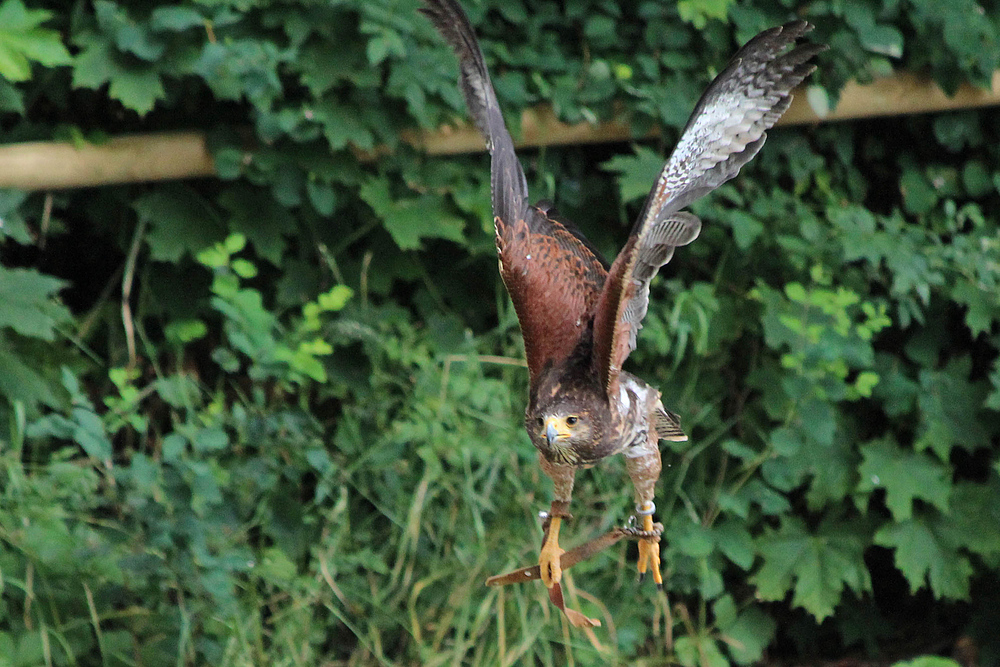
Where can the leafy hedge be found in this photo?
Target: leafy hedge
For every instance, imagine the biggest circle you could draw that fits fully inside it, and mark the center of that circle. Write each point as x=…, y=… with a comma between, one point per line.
x=274, y=418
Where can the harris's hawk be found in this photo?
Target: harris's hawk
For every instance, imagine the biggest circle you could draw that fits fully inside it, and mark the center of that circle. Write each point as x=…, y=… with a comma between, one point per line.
x=579, y=316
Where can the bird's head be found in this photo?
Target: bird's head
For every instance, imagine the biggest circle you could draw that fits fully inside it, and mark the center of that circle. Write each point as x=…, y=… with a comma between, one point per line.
x=564, y=431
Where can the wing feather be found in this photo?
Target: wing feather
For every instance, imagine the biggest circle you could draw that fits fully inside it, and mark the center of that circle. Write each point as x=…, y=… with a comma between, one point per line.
x=725, y=131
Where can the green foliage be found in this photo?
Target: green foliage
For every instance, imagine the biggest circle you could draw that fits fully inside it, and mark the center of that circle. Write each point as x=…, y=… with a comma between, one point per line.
x=275, y=418
x=23, y=41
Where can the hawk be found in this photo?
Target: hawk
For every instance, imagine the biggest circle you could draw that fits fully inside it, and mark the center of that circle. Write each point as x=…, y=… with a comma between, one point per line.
x=579, y=316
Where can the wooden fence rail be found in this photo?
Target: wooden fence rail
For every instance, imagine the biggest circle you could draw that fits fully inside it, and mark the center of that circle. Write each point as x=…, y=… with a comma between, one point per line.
x=176, y=155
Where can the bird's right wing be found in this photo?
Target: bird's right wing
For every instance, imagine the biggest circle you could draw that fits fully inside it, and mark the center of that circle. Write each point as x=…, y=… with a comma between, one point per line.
x=509, y=186
x=553, y=275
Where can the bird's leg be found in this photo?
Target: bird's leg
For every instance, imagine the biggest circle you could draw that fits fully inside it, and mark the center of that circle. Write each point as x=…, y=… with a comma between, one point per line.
x=548, y=559
x=649, y=547
x=643, y=465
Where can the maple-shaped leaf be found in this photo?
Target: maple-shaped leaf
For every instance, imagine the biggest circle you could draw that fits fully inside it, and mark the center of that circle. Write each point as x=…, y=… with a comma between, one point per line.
x=924, y=554
x=410, y=219
x=814, y=566
x=699, y=651
x=746, y=632
x=179, y=221
x=22, y=41
x=27, y=302
x=983, y=306
x=973, y=521
x=905, y=476
x=635, y=172
x=257, y=215
x=950, y=409
x=137, y=87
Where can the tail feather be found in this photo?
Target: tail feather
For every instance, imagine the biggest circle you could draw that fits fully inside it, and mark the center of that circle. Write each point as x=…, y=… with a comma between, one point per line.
x=668, y=426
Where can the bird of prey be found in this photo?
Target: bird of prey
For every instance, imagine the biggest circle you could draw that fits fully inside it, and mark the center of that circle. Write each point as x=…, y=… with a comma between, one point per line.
x=579, y=316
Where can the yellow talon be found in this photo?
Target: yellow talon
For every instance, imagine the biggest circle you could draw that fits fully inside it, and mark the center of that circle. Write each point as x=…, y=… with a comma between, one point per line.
x=548, y=560
x=649, y=552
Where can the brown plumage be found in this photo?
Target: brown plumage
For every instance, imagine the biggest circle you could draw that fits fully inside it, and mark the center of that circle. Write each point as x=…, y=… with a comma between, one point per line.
x=579, y=316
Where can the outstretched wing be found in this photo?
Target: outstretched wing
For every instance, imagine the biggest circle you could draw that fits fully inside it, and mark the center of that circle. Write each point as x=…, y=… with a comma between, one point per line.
x=725, y=131
x=553, y=275
x=509, y=187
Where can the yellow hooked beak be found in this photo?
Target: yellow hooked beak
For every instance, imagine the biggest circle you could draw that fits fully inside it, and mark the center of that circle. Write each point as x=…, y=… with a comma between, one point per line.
x=556, y=428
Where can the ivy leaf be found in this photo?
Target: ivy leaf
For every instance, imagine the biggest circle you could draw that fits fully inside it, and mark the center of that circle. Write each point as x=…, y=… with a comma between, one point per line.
x=23, y=41
x=815, y=567
x=27, y=302
x=411, y=219
x=905, y=476
x=923, y=555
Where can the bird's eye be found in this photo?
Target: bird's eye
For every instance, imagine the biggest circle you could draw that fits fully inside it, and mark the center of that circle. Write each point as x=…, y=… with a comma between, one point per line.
x=541, y=422
x=571, y=420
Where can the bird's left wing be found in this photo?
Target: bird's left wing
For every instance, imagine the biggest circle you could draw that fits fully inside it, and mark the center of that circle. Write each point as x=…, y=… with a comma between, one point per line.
x=725, y=131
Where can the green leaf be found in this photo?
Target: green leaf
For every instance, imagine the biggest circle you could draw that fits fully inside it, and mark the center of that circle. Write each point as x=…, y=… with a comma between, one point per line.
x=175, y=19
x=336, y=298
x=27, y=303
x=20, y=379
x=950, y=407
x=343, y=126
x=411, y=219
x=23, y=41
x=884, y=39
x=974, y=520
x=136, y=87
x=260, y=218
x=698, y=12
x=983, y=306
x=733, y=539
x=923, y=555
x=636, y=173
x=814, y=566
x=90, y=434
x=919, y=196
x=927, y=661
x=699, y=651
x=321, y=196
x=746, y=633
x=180, y=222
x=905, y=476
